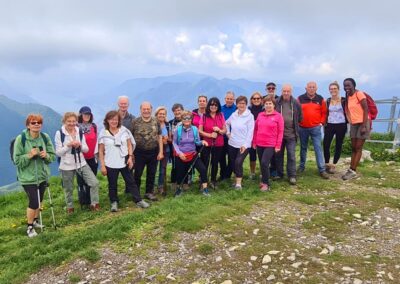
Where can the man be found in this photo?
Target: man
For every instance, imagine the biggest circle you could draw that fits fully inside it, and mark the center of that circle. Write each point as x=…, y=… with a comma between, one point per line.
x=123, y=105
x=270, y=89
x=149, y=147
x=227, y=109
x=314, y=116
x=292, y=115
x=177, y=109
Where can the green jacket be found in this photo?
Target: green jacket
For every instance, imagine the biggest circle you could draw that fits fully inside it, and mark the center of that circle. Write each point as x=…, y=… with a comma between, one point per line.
x=26, y=168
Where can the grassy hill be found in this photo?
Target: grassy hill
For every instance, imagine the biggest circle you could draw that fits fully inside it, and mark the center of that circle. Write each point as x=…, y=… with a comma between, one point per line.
x=316, y=232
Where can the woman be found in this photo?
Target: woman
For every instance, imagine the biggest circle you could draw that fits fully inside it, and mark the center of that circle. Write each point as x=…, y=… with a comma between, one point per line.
x=241, y=125
x=116, y=145
x=89, y=130
x=267, y=138
x=32, y=154
x=200, y=111
x=212, y=129
x=161, y=115
x=186, y=138
x=256, y=106
x=70, y=144
x=360, y=126
x=172, y=124
x=336, y=125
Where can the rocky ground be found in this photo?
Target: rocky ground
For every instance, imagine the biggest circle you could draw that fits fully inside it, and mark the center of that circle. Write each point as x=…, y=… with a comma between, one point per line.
x=321, y=236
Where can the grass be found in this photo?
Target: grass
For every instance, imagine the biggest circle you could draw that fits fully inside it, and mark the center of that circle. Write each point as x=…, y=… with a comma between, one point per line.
x=82, y=234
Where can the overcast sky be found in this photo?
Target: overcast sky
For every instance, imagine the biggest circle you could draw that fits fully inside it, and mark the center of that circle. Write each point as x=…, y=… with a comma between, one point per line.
x=77, y=47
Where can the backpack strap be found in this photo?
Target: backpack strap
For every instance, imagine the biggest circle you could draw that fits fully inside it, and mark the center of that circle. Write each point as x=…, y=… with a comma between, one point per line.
x=23, y=139
x=178, y=134
x=195, y=134
x=62, y=136
x=95, y=128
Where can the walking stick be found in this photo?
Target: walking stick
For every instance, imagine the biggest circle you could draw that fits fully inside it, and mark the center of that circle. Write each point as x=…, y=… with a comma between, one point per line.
x=191, y=166
x=51, y=207
x=38, y=196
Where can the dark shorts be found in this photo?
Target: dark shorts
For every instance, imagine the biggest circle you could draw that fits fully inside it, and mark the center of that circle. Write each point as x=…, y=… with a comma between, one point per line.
x=355, y=131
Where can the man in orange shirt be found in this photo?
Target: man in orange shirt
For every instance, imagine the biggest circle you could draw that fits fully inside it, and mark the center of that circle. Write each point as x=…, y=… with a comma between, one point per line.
x=314, y=116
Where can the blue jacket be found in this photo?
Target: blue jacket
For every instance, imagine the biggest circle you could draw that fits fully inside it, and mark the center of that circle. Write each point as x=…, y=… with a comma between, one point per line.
x=227, y=111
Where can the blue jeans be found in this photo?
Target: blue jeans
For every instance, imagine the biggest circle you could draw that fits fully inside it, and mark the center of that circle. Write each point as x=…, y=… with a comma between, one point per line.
x=315, y=133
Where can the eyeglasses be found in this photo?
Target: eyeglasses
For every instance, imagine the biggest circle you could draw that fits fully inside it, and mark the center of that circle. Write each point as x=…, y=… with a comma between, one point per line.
x=270, y=88
x=35, y=123
x=214, y=105
x=256, y=99
x=186, y=118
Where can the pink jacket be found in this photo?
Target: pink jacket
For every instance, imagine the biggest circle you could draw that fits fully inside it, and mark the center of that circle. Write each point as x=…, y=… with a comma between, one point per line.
x=268, y=130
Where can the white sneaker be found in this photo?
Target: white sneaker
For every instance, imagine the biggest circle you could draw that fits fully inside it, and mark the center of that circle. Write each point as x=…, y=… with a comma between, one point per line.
x=114, y=206
x=31, y=232
x=37, y=225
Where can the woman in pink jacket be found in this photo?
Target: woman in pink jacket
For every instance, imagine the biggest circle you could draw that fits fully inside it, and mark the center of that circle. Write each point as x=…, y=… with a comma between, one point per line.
x=267, y=138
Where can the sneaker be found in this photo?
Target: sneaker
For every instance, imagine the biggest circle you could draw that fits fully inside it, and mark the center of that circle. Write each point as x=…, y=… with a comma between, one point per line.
x=206, y=192
x=213, y=185
x=70, y=210
x=31, y=232
x=264, y=187
x=300, y=170
x=37, y=225
x=142, y=204
x=350, y=174
x=252, y=176
x=178, y=192
x=292, y=181
x=276, y=178
x=324, y=175
x=114, y=206
x=95, y=207
x=238, y=187
x=186, y=187
x=150, y=196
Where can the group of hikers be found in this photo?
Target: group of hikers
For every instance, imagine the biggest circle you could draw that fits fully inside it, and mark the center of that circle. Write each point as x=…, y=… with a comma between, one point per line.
x=203, y=140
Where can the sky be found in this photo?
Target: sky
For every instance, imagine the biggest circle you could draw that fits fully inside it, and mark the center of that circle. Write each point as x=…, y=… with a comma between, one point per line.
x=59, y=49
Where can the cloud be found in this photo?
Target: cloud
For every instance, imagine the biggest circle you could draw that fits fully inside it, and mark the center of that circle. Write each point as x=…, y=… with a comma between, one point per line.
x=314, y=67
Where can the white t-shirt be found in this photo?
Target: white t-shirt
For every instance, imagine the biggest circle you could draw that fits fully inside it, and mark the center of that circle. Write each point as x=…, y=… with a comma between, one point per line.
x=115, y=147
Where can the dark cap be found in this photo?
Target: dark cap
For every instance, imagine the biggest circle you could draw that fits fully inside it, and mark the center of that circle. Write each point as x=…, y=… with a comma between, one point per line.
x=271, y=84
x=85, y=110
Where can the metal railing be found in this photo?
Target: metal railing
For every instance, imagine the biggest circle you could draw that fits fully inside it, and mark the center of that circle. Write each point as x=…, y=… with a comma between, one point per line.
x=393, y=119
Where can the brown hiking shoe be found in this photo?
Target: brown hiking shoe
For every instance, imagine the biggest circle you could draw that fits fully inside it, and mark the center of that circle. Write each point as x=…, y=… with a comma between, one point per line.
x=324, y=175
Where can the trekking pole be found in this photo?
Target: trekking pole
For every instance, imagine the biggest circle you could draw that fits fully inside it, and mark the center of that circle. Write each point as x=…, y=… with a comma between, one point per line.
x=191, y=166
x=51, y=207
x=38, y=195
x=209, y=161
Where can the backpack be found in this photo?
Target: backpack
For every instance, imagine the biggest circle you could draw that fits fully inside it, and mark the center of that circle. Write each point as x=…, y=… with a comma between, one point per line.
x=179, y=134
x=62, y=138
x=372, y=108
x=23, y=141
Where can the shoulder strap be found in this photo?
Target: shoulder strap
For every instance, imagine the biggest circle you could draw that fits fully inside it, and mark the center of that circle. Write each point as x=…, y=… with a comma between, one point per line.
x=62, y=136
x=80, y=135
x=195, y=134
x=178, y=134
x=328, y=102
x=95, y=128
x=23, y=139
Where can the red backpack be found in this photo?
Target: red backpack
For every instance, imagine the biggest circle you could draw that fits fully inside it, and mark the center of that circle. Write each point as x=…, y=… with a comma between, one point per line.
x=372, y=109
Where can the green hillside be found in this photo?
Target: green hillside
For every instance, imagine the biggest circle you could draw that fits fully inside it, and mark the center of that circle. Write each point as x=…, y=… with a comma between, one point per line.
x=316, y=232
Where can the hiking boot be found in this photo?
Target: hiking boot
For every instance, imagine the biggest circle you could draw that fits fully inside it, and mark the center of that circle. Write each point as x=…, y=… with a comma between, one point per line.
x=238, y=187
x=95, y=207
x=206, y=192
x=324, y=175
x=150, y=196
x=142, y=204
x=213, y=185
x=292, y=181
x=114, y=206
x=31, y=232
x=350, y=174
x=252, y=176
x=186, y=187
x=70, y=210
x=277, y=178
x=37, y=225
x=300, y=170
x=330, y=169
x=264, y=187
x=178, y=192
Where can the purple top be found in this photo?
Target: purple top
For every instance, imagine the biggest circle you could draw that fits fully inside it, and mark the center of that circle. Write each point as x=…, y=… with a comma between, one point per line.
x=187, y=143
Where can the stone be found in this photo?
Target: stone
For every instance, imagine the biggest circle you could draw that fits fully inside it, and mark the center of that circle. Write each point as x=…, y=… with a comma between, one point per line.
x=390, y=163
x=356, y=215
x=357, y=281
x=390, y=276
x=366, y=156
x=330, y=248
x=296, y=264
x=273, y=252
x=255, y=231
x=271, y=277
x=347, y=269
x=109, y=262
x=324, y=251
x=266, y=259
x=227, y=282
x=365, y=223
x=253, y=258
x=233, y=248
x=370, y=239
x=292, y=257
x=218, y=258
x=171, y=277
x=389, y=219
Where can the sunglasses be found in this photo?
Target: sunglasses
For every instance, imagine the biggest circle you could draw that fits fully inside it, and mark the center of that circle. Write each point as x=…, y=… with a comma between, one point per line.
x=270, y=88
x=186, y=118
x=256, y=99
x=35, y=123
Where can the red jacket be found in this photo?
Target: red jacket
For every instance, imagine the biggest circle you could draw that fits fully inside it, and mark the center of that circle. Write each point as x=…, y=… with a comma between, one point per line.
x=314, y=110
x=268, y=130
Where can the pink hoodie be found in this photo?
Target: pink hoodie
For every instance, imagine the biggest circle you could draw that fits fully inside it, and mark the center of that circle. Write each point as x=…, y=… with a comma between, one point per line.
x=268, y=130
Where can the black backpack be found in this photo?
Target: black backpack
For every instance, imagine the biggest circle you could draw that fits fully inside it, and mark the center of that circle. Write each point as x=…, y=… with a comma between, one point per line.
x=23, y=141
